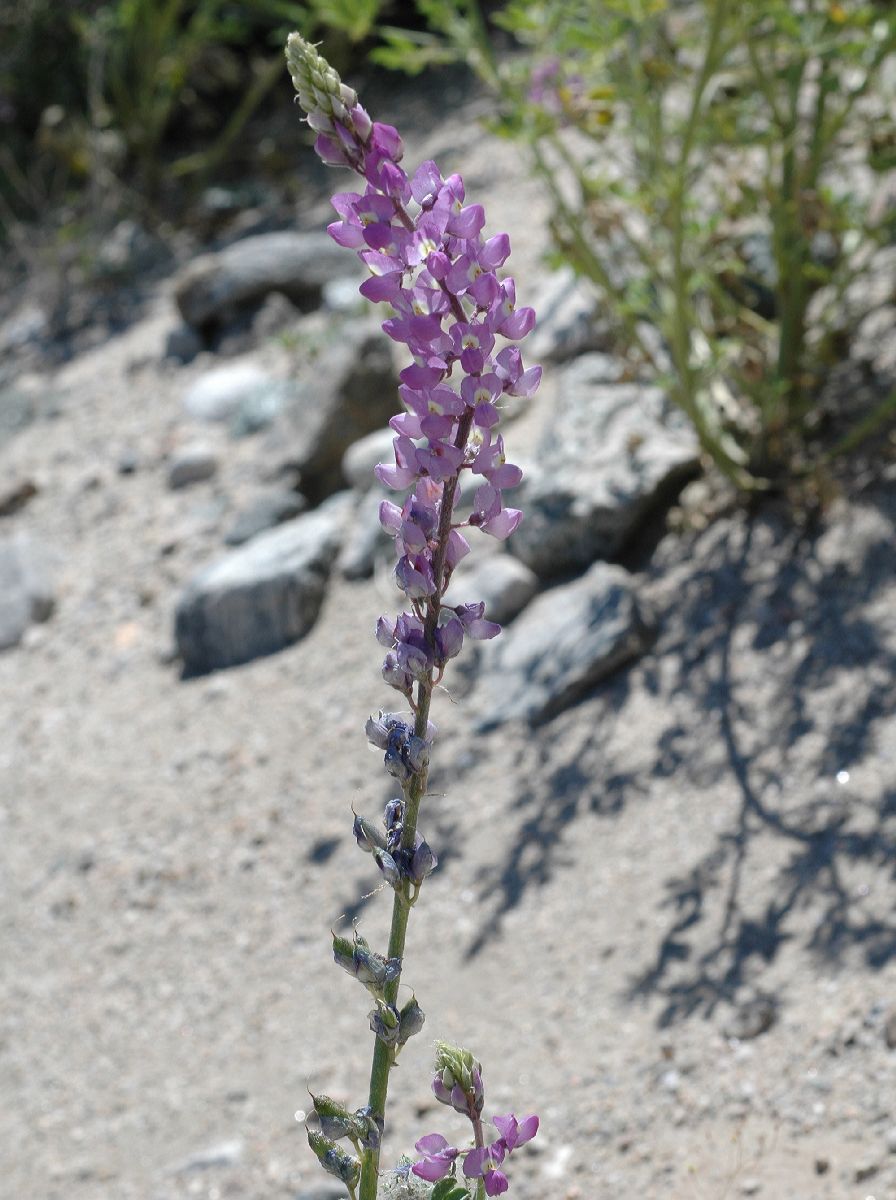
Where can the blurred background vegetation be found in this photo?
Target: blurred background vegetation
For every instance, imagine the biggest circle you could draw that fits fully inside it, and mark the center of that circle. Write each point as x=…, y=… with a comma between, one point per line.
x=153, y=94
x=718, y=170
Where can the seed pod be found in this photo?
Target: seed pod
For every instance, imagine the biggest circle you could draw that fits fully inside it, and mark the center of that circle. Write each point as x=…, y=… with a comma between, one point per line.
x=410, y=1020
x=367, y=835
x=344, y=1166
x=385, y=1022
x=372, y=969
x=336, y=1122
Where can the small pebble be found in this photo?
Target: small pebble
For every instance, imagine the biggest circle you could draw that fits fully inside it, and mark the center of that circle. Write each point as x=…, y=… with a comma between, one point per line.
x=890, y=1029
x=191, y=465
x=866, y=1170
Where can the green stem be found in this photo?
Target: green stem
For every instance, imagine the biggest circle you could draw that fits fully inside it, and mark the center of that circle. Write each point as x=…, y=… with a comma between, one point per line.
x=583, y=256
x=383, y=1055
x=479, y=1140
x=682, y=316
x=791, y=254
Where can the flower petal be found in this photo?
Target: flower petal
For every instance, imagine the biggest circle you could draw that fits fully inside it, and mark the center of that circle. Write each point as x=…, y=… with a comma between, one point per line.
x=431, y=1143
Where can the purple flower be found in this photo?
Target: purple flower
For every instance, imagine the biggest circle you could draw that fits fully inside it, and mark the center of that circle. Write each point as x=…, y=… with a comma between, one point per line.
x=474, y=623
x=484, y=1161
x=515, y=1133
x=439, y=1159
x=424, y=246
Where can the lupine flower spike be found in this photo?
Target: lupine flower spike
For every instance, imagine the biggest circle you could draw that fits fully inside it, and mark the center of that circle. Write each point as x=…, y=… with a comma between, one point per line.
x=428, y=259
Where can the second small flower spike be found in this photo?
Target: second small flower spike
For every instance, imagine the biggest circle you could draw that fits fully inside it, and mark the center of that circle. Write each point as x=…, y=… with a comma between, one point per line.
x=458, y=1079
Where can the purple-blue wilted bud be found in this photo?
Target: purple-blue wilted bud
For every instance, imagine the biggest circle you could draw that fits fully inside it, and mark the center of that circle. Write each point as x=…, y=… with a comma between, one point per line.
x=406, y=754
x=393, y=815
x=344, y=1166
x=367, y=835
x=389, y=867
x=379, y=727
x=336, y=1122
x=410, y=1020
x=385, y=1022
x=372, y=969
x=374, y=1127
x=418, y=862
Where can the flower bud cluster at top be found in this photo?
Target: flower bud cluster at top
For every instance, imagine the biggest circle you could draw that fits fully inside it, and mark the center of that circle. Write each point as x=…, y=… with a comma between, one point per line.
x=428, y=259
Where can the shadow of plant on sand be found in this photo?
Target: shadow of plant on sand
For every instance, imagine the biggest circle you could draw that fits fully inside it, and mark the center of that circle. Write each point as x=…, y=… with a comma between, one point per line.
x=770, y=684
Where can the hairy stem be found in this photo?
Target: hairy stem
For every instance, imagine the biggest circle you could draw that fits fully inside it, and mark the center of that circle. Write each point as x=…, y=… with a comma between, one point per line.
x=383, y=1055
x=479, y=1142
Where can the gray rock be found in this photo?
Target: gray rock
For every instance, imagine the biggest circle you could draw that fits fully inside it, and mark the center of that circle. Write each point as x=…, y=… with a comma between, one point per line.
x=264, y=512
x=26, y=591
x=560, y=647
x=342, y=295
x=128, y=249
x=875, y=340
x=363, y=455
x=191, y=464
x=276, y=314
x=610, y=454
x=260, y=408
x=17, y=411
x=263, y=596
x=28, y=324
x=752, y=1017
x=128, y=461
x=214, y=286
x=503, y=582
x=16, y=494
x=567, y=323
x=349, y=390
x=366, y=542
x=219, y=394
x=866, y=1169
x=183, y=343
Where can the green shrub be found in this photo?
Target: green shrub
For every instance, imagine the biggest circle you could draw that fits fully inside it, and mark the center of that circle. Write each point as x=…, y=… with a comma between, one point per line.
x=710, y=165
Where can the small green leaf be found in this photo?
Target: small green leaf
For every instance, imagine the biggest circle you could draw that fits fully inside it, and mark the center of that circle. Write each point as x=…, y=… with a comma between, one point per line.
x=449, y=1189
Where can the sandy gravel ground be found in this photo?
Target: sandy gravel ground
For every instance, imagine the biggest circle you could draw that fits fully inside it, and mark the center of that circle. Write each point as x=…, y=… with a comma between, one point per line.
x=626, y=896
